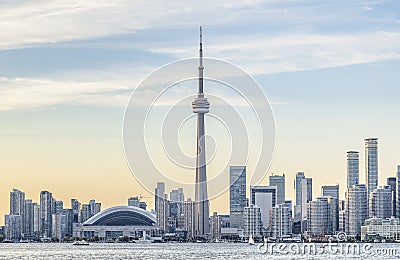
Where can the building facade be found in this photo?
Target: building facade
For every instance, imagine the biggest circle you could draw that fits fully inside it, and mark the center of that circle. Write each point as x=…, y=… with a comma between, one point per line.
x=356, y=208
x=371, y=163
x=279, y=182
x=237, y=195
x=353, y=168
x=380, y=202
x=252, y=222
x=281, y=226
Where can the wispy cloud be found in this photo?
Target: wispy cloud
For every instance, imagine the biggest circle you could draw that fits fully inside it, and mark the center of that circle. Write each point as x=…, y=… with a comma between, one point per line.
x=266, y=55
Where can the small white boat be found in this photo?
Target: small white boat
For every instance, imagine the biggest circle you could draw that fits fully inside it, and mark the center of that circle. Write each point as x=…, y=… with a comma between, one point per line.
x=251, y=240
x=81, y=243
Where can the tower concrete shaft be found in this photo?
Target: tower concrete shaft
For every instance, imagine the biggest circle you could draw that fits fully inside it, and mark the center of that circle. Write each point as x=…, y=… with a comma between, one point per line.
x=201, y=106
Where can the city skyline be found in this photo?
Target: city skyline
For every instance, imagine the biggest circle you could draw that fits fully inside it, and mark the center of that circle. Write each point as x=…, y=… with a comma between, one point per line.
x=329, y=70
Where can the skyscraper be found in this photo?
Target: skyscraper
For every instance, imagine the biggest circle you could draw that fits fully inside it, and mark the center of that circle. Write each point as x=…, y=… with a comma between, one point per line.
x=46, y=210
x=356, y=208
x=380, y=202
x=237, y=195
x=264, y=197
x=305, y=195
x=159, y=194
x=17, y=202
x=299, y=177
x=398, y=191
x=17, y=206
x=279, y=182
x=353, y=168
x=76, y=207
x=392, y=182
x=371, y=163
x=28, y=219
x=201, y=106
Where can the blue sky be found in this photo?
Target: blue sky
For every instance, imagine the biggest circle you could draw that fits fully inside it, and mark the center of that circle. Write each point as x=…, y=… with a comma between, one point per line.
x=67, y=68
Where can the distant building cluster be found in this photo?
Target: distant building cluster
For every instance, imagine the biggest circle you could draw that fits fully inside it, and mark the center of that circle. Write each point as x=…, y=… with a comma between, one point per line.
x=369, y=211
x=44, y=220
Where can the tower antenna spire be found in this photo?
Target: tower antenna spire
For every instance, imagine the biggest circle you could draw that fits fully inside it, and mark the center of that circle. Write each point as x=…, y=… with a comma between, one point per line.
x=201, y=68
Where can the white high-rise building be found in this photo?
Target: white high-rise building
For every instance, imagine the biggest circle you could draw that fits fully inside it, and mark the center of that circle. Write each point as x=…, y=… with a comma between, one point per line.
x=371, y=163
x=281, y=221
x=356, y=208
x=252, y=222
x=279, y=182
x=380, y=202
x=353, y=168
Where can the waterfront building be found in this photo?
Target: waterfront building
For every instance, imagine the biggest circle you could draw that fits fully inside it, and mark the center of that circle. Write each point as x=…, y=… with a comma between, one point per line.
x=28, y=219
x=46, y=211
x=353, y=168
x=388, y=229
x=237, y=195
x=281, y=226
x=13, y=227
x=116, y=222
x=215, y=227
x=318, y=221
x=356, y=208
x=380, y=202
x=252, y=222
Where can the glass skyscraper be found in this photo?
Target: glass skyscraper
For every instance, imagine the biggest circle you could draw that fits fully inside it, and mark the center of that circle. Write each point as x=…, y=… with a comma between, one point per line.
x=237, y=195
x=279, y=182
x=353, y=168
x=371, y=163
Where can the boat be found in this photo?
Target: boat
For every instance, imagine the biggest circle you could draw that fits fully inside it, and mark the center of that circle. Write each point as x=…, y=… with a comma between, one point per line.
x=251, y=240
x=81, y=243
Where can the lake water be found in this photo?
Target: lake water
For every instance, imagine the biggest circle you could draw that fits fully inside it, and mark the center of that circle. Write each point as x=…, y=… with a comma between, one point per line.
x=179, y=251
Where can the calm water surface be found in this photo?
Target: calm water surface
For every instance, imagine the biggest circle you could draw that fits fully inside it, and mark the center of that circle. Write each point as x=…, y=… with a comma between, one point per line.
x=171, y=251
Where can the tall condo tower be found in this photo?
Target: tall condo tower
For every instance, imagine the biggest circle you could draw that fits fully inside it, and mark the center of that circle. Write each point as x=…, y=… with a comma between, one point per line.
x=201, y=106
x=371, y=163
x=353, y=176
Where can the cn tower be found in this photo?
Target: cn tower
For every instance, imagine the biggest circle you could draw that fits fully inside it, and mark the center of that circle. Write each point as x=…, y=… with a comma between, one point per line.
x=201, y=106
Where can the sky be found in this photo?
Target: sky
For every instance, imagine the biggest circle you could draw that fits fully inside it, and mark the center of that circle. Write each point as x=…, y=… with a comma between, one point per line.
x=330, y=70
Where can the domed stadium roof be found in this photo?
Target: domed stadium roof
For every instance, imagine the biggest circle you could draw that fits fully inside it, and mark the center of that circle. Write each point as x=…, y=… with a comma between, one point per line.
x=122, y=216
